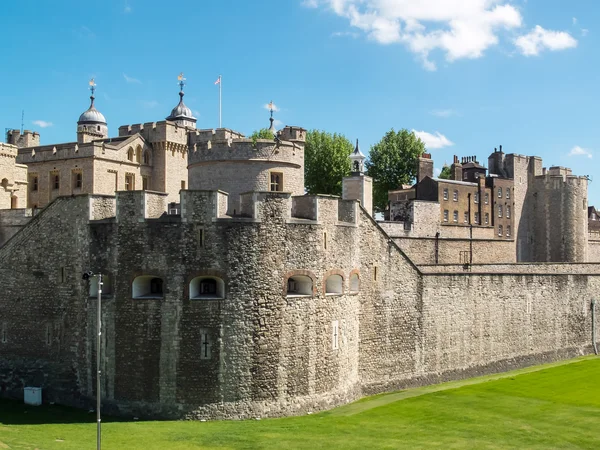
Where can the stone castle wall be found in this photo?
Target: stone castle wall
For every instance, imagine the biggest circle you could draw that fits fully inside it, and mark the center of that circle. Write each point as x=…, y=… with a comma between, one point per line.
x=270, y=354
x=497, y=322
x=11, y=221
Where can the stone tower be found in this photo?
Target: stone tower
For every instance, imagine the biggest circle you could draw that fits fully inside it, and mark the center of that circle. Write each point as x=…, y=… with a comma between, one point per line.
x=226, y=160
x=91, y=124
x=358, y=186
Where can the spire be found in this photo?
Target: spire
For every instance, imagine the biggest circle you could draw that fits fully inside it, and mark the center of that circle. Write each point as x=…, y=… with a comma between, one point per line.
x=357, y=159
x=272, y=127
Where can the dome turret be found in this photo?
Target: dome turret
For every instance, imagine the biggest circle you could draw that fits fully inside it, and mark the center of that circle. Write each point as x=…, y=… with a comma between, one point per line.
x=91, y=124
x=181, y=114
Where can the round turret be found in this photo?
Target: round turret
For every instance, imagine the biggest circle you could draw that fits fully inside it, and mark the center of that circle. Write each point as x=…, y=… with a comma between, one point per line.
x=91, y=124
x=181, y=114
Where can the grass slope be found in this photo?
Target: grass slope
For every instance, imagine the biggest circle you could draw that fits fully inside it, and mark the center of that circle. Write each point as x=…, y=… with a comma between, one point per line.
x=555, y=406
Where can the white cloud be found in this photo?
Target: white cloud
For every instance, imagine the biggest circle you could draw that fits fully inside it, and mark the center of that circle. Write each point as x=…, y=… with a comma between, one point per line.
x=150, y=104
x=444, y=113
x=433, y=141
x=267, y=106
x=584, y=32
x=460, y=29
x=42, y=123
x=540, y=39
x=131, y=79
x=127, y=9
x=580, y=151
x=277, y=123
x=574, y=20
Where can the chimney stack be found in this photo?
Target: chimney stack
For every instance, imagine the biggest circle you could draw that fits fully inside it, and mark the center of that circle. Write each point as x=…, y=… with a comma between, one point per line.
x=456, y=169
x=424, y=167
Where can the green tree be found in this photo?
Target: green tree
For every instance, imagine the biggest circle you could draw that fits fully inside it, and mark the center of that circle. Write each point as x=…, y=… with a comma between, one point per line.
x=393, y=162
x=263, y=133
x=446, y=173
x=326, y=162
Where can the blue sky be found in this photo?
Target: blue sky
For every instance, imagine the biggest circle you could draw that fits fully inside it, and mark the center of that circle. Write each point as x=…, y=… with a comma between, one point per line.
x=468, y=74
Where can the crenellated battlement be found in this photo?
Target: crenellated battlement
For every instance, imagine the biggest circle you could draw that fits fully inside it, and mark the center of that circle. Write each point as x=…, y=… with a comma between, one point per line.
x=26, y=139
x=8, y=150
x=209, y=206
x=163, y=131
x=58, y=152
x=227, y=149
x=559, y=180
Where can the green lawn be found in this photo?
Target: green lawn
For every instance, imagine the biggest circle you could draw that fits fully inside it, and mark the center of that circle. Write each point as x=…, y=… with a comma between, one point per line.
x=554, y=406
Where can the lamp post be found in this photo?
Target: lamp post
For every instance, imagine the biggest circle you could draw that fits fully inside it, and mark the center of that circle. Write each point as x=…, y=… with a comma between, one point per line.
x=86, y=276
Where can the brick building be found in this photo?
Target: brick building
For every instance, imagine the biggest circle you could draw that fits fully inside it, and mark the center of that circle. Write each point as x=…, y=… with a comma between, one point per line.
x=465, y=218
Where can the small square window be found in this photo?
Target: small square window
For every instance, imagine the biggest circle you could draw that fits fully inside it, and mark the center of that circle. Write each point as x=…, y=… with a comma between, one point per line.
x=455, y=196
x=445, y=215
x=477, y=218
x=499, y=230
x=499, y=192
x=456, y=216
x=487, y=198
x=445, y=194
x=466, y=217
x=507, y=192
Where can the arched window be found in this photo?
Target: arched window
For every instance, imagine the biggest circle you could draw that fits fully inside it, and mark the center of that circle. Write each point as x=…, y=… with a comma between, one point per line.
x=334, y=285
x=207, y=288
x=146, y=157
x=354, y=283
x=147, y=286
x=138, y=154
x=106, y=286
x=130, y=154
x=299, y=286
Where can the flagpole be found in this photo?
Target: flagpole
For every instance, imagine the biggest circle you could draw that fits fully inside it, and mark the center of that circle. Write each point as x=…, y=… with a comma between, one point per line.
x=220, y=88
